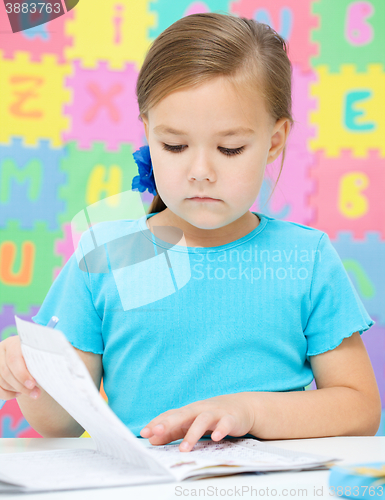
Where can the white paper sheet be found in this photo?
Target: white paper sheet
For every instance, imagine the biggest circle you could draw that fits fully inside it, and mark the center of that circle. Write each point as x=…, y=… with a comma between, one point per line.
x=242, y=454
x=71, y=469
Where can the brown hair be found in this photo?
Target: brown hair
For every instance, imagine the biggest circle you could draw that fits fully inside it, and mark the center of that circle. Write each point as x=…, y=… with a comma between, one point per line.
x=199, y=47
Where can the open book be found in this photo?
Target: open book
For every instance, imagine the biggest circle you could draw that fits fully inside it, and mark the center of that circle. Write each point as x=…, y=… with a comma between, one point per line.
x=120, y=458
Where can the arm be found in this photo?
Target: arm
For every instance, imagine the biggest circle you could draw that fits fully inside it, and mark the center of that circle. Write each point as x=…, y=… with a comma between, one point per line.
x=50, y=419
x=346, y=403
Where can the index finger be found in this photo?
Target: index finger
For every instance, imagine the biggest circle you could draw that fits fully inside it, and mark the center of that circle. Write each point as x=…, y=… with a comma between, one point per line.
x=169, y=426
x=201, y=424
x=222, y=427
x=17, y=366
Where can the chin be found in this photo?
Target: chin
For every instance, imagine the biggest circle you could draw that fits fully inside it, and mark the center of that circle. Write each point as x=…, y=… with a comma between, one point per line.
x=202, y=219
x=205, y=222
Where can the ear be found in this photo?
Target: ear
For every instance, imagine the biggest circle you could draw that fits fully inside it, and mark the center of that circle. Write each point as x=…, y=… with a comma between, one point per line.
x=278, y=138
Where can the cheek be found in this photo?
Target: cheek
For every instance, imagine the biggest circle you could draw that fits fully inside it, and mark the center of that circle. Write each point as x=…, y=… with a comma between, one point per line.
x=245, y=181
x=166, y=178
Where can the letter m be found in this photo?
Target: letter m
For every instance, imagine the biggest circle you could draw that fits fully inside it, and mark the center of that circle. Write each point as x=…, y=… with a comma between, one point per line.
x=31, y=172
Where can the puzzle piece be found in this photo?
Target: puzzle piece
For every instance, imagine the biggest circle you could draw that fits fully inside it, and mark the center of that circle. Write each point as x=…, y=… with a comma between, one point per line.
x=30, y=174
x=292, y=19
x=350, y=194
x=32, y=97
x=64, y=247
x=168, y=11
x=102, y=174
x=364, y=262
x=48, y=38
x=104, y=107
x=13, y=424
x=113, y=31
x=349, y=32
x=350, y=113
x=285, y=204
x=7, y=319
x=26, y=264
x=302, y=104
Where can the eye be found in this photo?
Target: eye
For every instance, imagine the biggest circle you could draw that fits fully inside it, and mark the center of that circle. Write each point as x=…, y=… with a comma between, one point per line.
x=225, y=151
x=174, y=149
x=231, y=152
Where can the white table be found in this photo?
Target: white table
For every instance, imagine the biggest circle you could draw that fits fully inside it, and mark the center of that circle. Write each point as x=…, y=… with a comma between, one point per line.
x=314, y=485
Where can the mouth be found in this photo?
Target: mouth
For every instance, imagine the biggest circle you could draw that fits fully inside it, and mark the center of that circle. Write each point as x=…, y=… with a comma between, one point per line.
x=202, y=199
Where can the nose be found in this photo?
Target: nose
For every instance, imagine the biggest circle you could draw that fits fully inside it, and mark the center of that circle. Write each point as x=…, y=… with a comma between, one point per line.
x=201, y=168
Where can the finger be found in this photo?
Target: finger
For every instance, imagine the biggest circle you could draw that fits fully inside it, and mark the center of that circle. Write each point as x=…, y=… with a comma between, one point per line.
x=168, y=423
x=9, y=382
x=14, y=373
x=224, y=427
x=17, y=366
x=9, y=392
x=153, y=429
x=205, y=420
x=168, y=438
x=6, y=395
x=147, y=431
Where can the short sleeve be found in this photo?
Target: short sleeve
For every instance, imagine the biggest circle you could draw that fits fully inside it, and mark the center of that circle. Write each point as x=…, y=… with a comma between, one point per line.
x=336, y=310
x=70, y=299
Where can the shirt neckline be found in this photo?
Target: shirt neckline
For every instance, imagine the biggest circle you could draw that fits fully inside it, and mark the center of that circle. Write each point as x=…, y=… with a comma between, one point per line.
x=179, y=248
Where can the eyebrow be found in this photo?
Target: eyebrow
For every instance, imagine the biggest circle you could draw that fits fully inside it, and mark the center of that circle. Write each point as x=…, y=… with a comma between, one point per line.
x=224, y=133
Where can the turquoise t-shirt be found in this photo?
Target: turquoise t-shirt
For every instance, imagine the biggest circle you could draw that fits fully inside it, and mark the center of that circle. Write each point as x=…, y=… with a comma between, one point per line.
x=179, y=324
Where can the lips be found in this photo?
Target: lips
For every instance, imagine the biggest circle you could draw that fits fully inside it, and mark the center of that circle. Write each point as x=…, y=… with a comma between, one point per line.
x=203, y=198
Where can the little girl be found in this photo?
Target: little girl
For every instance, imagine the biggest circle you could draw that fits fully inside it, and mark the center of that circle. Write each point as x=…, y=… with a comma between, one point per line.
x=224, y=332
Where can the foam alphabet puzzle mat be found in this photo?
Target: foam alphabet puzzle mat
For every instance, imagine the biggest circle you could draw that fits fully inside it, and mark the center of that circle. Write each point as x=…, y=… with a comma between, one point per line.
x=69, y=123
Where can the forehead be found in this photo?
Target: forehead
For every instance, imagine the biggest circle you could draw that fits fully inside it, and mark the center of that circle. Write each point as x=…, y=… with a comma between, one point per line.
x=159, y=129
x=236, y=107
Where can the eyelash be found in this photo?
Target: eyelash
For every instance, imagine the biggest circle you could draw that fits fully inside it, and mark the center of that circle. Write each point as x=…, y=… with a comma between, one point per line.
x=226, y=151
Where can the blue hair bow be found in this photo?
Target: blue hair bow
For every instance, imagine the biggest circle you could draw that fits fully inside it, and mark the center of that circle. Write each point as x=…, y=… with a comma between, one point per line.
x=145, y=179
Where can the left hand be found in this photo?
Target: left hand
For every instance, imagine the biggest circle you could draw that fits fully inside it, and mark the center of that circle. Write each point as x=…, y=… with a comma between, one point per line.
x=229, y=414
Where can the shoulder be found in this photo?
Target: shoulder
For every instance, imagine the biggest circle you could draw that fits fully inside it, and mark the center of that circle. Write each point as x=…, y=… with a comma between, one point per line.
x=294, y=233
x=105, y=232
x=109, y=236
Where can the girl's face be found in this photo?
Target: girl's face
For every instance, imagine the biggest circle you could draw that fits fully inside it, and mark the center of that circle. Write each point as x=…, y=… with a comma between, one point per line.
x=211, y=141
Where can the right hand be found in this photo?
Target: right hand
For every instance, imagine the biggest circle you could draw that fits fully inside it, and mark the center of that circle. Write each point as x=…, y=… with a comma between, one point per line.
x=14, y=372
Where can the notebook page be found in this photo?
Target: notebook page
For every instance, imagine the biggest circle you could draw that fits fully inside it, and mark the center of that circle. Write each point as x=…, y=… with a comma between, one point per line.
x=70, y=469
x=238, y=454
x=57, y=368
